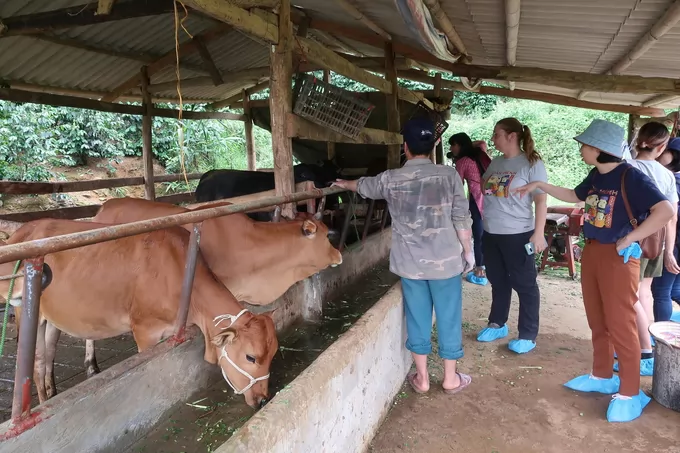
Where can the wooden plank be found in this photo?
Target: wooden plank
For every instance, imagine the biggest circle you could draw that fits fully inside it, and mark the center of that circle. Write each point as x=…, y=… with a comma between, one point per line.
x=189, y=115
x=147, y=137
x=565, y=79
x=71, y=213
x=301, y=128
x=281, y=105
x=327, y=59
x=392, y=107
x=42, y=188
x=421, y=76
x=251, y=156
x=208, y=61
x=82, y=15
x=330, y=147
x=104, y=7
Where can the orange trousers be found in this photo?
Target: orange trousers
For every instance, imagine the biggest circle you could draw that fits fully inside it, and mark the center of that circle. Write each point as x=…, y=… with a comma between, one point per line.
x=609, y=293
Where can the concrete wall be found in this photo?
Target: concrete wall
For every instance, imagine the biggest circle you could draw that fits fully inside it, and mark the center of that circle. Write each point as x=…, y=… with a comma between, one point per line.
x=338, y=402
x=110, y=411
x=113, y=409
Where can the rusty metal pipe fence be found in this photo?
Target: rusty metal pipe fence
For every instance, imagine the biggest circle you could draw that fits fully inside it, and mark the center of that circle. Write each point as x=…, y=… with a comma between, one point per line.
x=33, y=253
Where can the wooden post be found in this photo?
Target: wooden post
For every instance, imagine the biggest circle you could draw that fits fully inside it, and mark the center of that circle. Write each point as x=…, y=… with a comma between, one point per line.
x=147, y=150
x=280, y=101
x=392, y=104
x=331, y=145
x=250, y=143
x=631, y=133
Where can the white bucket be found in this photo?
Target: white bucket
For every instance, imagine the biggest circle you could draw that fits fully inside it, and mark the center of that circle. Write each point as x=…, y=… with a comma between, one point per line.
x=666, y=380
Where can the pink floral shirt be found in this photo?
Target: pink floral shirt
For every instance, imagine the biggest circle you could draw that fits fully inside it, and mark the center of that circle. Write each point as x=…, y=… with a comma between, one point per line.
x=469, y=172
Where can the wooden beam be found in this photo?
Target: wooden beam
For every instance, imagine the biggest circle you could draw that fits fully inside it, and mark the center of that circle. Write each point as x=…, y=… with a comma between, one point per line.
x=392, y=106
x=306, y=130
x=239, y=18
x=447, y=27
x=423, y=77
x=335, y=44
x=208, y=61
x=166, y=60
x=330, y=146
x=82, y=15
x=662, y=26
x=250, y=141
x=147, y=136
x=104, y=7
x=358, y=15
x=57, y=100
x=281, y=106
x=135, y=56
x=512, y=15
x=44, y=188
x=661, y=99
x=437, y=84
x=565, y=79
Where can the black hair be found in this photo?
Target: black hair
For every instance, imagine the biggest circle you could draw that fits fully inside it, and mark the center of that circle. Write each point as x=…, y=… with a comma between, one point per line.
x=423, y=149
x=674, y=166
x=651, y=135
x=604, y=158
x=467, y=149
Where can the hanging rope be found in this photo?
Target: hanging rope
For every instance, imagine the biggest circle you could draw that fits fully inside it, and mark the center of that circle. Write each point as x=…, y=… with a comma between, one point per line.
x=180, y=126
x=6, y=316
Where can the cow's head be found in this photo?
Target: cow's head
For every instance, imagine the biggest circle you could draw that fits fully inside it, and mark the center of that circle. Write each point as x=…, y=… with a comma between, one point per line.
x=322, y=175
x=317, y=241
x=245, y=347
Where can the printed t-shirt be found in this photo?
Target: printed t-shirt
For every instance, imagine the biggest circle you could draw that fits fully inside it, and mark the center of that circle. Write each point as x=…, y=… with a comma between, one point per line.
x=606, y=219
x=506, y=212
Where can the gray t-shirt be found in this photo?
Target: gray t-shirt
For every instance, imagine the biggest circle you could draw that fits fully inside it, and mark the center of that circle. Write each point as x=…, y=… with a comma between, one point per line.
x=506, y=212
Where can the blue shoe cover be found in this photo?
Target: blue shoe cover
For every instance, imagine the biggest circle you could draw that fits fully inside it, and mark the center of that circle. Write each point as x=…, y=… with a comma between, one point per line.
x=623, y=409
x=521, y=346
x=675, y=317
x=646, y=367
x=589, y=383
x=472, y=278
x=492, y=333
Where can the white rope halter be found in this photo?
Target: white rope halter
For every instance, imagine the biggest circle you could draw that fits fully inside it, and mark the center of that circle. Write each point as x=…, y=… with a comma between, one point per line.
x=224, y=355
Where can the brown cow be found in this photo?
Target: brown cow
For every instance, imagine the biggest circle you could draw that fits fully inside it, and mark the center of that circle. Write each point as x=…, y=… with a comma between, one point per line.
x=133, y=284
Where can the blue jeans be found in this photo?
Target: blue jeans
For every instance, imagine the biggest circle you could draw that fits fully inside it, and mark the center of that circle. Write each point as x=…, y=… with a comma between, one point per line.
x=447, y=298
x=665, y=290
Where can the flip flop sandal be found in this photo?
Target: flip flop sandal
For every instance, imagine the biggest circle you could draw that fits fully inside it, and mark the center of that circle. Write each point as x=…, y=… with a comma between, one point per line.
x=465, y=380
x=411, y=380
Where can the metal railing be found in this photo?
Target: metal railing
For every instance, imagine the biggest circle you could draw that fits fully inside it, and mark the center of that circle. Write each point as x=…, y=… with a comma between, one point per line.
x=33, y=252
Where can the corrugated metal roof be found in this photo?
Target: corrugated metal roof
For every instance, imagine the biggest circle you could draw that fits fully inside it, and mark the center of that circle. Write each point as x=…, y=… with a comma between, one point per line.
x=574, y=35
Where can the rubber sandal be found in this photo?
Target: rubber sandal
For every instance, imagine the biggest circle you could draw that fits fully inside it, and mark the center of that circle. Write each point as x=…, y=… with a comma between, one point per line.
x=411, y=380
x=465, y=380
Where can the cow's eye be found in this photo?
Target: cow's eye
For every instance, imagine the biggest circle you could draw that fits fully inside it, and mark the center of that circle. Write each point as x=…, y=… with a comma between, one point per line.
x=250, y=358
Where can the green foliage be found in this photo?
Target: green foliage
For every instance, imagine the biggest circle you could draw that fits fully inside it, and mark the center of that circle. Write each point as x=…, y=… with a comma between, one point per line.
x=552, y=126
x=34, y=137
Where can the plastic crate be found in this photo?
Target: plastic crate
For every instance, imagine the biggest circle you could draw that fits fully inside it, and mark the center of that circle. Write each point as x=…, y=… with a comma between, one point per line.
x=440, y=124
x=329, y=106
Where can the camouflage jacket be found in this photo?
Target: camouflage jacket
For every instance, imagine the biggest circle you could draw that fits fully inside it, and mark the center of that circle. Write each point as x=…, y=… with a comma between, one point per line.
x=427, y=204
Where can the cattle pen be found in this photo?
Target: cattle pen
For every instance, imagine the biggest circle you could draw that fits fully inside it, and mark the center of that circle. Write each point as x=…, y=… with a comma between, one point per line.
x=129, y=56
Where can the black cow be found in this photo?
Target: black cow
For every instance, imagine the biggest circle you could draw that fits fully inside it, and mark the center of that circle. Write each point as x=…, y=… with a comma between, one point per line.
x=221, y=184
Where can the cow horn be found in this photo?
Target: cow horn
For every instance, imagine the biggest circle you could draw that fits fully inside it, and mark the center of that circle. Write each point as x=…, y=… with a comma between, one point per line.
x=319, y=210
x=277, y=214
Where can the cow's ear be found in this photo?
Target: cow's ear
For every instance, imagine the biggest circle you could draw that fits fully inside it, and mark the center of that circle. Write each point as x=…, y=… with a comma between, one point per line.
x=309, y=228
x=224, y=338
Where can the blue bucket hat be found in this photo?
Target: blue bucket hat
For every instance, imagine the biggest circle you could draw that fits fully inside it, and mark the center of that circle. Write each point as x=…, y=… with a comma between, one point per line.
x=605, y=136
x=419, y=134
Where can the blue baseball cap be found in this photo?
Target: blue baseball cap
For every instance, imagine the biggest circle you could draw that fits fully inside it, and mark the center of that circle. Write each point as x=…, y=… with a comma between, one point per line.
x=674, y=144
x=419, y=134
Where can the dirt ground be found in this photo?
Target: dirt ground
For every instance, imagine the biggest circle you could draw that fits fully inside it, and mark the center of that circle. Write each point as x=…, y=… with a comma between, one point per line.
x=96, y=168
x=517, y=403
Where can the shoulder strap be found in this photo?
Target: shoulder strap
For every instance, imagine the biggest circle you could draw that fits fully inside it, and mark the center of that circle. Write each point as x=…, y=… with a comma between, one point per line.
x=631, y=218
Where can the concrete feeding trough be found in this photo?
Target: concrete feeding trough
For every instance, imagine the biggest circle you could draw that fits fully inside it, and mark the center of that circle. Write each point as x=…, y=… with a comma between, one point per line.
x=111, y=411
